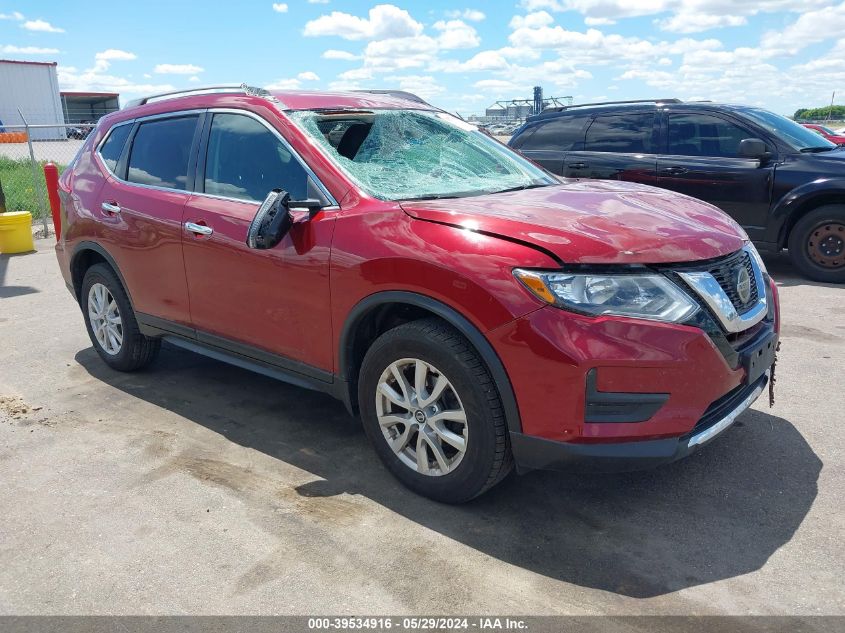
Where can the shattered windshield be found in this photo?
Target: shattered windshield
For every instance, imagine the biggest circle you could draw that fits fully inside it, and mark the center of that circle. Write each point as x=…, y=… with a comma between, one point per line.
x=415, y=154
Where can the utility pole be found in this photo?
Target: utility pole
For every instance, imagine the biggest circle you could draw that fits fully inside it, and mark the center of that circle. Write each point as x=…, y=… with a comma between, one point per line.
x=830, y=112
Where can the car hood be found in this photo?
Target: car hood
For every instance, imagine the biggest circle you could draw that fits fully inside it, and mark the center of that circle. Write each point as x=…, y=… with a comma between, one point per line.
x=594, y=221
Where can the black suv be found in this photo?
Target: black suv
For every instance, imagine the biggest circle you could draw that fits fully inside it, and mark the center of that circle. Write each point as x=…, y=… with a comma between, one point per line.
x=783, y=183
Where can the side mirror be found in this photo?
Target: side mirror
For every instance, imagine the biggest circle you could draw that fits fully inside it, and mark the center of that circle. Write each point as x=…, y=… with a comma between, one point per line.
x=276, y=216
x=753, y=148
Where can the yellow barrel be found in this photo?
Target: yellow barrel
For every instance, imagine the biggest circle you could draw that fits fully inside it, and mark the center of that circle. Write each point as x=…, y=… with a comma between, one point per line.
x=16, y=232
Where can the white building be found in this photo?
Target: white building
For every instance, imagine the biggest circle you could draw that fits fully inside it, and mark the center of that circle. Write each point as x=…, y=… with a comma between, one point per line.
x=32, y=88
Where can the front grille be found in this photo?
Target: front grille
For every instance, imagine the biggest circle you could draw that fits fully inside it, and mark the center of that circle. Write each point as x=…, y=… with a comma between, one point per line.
x=725, y=272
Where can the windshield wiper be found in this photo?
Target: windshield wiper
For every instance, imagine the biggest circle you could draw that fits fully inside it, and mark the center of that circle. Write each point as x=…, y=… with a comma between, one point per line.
x=815, y=150
x=523, y=187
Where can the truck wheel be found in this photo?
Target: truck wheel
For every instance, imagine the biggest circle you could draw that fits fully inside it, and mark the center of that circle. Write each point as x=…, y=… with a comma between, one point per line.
x=111, y=322
x=817, y=244
x=433, y=413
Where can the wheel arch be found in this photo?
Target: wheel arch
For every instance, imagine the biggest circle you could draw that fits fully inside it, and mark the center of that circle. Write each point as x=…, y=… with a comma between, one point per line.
x=374, y=314
x=87, y=254
x=804, y=199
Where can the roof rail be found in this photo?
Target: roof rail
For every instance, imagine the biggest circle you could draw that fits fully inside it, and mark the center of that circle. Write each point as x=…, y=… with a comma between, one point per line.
x=601, y=103
x=402, y=94
x=244, y=88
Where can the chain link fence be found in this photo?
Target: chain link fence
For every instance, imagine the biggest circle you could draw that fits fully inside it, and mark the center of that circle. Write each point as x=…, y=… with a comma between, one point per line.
x=24, y=150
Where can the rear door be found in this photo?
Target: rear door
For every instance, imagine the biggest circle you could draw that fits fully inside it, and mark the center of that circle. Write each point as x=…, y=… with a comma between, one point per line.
x=618, y=146
x=140, y=209
x=547, y=142
x=272, y=305
x=701, y=160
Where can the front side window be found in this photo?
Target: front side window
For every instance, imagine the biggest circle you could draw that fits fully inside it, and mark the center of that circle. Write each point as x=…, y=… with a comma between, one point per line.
x=245, y=160
x=414, y=154
x=621, y=134
x=704, y=135
x=113, y=147
x=160, y=152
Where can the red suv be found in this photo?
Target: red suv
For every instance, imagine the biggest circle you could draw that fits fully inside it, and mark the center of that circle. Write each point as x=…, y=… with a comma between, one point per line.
x=475, y=311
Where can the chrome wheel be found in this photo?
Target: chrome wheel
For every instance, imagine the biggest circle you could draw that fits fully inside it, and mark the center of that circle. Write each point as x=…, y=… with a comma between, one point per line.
x=421, y=417
x=104, y=316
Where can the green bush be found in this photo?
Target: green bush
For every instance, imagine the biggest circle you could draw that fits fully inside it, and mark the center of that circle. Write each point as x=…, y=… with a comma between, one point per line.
x=20, y=192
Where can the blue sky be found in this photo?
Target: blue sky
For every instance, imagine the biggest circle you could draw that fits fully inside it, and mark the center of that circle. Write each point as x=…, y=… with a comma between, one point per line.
x=460, y=54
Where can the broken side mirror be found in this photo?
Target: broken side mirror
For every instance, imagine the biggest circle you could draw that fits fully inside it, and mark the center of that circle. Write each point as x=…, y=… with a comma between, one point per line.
x=275, y=217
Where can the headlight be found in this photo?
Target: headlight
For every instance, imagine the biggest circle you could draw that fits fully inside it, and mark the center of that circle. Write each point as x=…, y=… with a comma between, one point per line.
x=642, y=296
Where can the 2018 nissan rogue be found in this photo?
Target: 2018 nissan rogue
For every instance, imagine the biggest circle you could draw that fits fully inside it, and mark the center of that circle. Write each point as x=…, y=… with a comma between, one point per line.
x=475, y=311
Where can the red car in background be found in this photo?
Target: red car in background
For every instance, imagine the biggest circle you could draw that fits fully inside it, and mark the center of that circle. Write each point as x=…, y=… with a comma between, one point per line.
x=826, y=132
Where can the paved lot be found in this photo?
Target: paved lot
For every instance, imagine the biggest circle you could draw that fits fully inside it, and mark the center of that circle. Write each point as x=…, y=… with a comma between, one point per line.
x=196, y=487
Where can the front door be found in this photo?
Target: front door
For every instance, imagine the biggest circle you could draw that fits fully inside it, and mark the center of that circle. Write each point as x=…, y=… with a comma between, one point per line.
x=701, y=160
x=272, y=304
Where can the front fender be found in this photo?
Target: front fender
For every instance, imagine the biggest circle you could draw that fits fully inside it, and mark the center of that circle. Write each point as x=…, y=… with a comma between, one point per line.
x=799, y=201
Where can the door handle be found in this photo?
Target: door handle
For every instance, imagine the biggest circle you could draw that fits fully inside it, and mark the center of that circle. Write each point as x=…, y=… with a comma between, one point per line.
x=198, y=229
x=674, y=171
x=111, y=208
x=578, y=165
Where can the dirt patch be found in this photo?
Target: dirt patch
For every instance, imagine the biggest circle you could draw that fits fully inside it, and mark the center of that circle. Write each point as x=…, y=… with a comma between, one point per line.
x=15, y=408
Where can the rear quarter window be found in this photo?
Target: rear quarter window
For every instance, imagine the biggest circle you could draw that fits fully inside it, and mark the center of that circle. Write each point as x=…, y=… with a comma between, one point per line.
x=111, y=150
x=622, y=134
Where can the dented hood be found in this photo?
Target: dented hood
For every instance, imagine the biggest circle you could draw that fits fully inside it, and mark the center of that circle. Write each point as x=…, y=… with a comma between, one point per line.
x=594, y=221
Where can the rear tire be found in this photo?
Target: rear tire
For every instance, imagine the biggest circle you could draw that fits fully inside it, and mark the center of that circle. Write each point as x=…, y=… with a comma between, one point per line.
x=111, y=323
x=449, y=441
x=817, y=244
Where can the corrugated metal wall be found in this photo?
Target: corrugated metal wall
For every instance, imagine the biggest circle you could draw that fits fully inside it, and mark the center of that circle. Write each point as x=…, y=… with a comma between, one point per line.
x=34, y=88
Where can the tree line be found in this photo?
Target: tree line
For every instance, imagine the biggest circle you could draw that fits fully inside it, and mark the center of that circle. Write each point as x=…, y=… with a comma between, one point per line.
x=835, y=112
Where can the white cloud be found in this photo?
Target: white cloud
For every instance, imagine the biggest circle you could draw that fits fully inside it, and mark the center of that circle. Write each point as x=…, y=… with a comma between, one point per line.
x=809, y=28
x=318, y=1
x=473, y=15
x=425, y=86
x=598, y=21
x=284, y=84
x=115, y=54
x=342, y=55
x=193, y=79
x=383, y=21
x=41, y=26
x=72, y=80
x=14, y=15
x=456, y=34
x=532, y=20
x=10, y=49
x=280, y=7
x=696, y=22
x=308, y=76
x=177, y=69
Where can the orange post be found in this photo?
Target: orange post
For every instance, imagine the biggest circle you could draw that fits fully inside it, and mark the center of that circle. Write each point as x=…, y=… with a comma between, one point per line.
x=51, y=176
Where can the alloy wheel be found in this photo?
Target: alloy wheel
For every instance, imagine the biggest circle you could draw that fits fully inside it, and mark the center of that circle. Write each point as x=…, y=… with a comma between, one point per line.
x=421, y=417
x=104, y=316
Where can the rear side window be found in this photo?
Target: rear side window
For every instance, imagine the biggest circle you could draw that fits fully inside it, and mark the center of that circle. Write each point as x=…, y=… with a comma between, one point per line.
x=246, y=160
x=113, y=147
x=624, y=134
x=160, y=152
x=562, y=133
x=704, y=135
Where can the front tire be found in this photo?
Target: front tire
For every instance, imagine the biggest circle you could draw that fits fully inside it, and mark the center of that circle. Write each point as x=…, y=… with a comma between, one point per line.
x=817, y=244
x=433, y=413
x=111, y=323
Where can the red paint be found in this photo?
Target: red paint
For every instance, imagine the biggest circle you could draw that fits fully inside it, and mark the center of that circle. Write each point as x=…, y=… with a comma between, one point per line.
x=833, y=138
x=294, y=300
x=51, y=177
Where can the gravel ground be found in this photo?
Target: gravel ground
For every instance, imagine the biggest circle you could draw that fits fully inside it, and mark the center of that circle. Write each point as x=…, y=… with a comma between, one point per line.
x=199, y=488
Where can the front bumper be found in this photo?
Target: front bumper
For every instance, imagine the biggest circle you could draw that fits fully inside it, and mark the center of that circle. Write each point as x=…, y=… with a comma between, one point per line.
x=536, y=453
